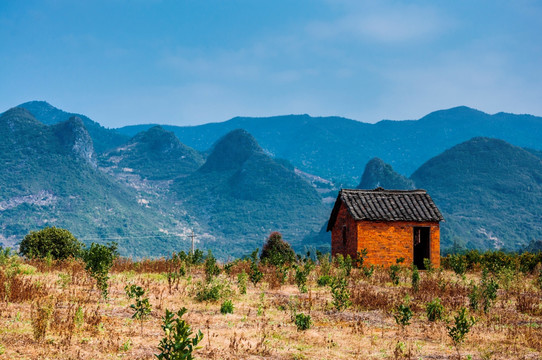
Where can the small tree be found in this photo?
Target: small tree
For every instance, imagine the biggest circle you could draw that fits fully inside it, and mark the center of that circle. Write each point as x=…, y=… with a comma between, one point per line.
x=211, y=267
x=50, y=241
x=460, y=328
x=340, y=293
x=98, y=261
x=177, y=343
x=142, y=307
x=276, y=251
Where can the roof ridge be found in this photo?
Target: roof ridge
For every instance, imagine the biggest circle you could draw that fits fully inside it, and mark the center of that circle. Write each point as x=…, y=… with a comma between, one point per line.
x=387, y=191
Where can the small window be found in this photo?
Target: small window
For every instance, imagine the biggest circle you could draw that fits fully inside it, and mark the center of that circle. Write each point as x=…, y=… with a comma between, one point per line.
x=344, y=235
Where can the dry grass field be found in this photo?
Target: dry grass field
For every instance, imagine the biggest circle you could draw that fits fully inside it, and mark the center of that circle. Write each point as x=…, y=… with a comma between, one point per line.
x=53, y=310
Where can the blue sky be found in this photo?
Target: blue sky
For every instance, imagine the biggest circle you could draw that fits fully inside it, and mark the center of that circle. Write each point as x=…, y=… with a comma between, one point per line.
x=190, y=62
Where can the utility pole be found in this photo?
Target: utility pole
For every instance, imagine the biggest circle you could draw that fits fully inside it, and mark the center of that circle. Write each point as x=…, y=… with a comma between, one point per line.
x=192, y=248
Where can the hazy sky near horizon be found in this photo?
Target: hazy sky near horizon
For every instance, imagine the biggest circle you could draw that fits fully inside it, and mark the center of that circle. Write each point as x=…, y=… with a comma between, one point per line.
x=182, y=62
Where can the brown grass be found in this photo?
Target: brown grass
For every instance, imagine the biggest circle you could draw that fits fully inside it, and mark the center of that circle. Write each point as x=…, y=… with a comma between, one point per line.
x=55, y=312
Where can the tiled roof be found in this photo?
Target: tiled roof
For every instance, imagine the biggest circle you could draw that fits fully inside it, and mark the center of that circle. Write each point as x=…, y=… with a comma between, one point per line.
x=386, y=205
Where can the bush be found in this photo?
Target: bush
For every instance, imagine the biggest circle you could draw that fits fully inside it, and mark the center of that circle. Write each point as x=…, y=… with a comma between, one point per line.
x=242, y=278
x=324, y=280
x=403, y=314
x=226, y=307
x=276, y=251
x=434, y=310
x=142, y=307
x=177, y=343
x=302, y=321
x=211, y=268
x=415, y=278
x=340, y=293
x=50, y=241
x=255, y=274
x=98, y=261
x=214, y=290
x=460, y=328
x=301, y=275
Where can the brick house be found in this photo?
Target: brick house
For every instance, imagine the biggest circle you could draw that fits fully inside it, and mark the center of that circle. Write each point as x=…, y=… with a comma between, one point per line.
x=390, y=224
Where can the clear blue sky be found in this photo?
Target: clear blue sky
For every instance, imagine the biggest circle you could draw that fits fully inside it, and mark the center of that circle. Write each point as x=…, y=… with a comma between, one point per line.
x=189, y=62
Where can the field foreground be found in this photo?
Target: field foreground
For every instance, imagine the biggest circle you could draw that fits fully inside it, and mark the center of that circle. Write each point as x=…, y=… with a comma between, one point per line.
x=53, y=310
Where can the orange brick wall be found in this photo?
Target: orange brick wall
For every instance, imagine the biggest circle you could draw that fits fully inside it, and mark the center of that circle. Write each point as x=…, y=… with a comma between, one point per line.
x=384, y=241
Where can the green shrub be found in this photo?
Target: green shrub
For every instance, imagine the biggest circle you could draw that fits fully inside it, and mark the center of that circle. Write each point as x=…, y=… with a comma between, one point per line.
x=460, y=328
x=360, y=259
x=211, y=267
x=325, y=264
x=5, y=255
x=214, y=290
x=340, y=293
x=457, y=263
x=434, y=310
x=403, y=314
x=474, y=297
x=301, y=275
x=98, y=261
x=255, y=274
x=50, y=241
x=177, y=344
x=276, y=251
x=394, y=274
x=489, y=289
x=142, y=307
x=368, y=271
x=347, y=265
x=302, y=321
x=324, y=280
x=242, y=278
x=415, y=278
x=226, y=307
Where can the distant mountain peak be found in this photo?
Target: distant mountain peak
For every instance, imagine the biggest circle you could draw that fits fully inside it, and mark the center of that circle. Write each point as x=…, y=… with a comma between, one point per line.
x=18, y=119
x=379, y=174
x=231, y=151
x=74, y=136
x=158, y=139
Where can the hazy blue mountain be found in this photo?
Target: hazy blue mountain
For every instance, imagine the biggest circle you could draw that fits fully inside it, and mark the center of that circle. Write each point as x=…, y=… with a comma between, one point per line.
x=338, y=148
x=379, y=174
x=49, y=177
x=155, y=154
x=103, y=139
x=242, y=194
x=489, y=192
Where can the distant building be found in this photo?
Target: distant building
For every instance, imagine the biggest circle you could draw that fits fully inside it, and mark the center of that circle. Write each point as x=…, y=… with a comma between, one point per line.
x=390, y=224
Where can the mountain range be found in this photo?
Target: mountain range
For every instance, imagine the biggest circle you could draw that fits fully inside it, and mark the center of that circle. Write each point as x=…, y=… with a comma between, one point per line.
x=232, y=183
x=338, y=148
